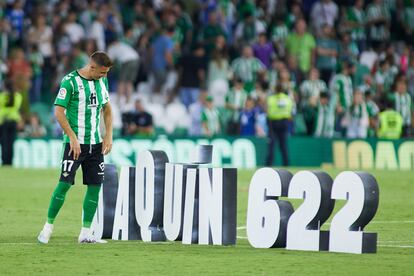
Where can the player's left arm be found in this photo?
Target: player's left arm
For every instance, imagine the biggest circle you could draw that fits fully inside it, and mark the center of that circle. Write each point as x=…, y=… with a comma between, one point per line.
x=107, y=116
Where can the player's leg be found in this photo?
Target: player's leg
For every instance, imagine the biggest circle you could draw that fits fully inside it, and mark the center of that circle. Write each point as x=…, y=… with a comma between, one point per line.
x=90, y=203
x=93, y=173
x=282, y=133
x=67, y=178
x=57, y=200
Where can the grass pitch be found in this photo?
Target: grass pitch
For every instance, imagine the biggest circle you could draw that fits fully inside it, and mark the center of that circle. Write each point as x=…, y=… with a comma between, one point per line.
x=24, y=198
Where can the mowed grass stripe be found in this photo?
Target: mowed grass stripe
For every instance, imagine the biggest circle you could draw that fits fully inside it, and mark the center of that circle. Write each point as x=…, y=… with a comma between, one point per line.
x=24, y=198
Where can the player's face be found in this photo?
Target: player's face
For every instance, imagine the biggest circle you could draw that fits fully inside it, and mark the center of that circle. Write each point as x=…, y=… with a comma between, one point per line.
x=98, y=72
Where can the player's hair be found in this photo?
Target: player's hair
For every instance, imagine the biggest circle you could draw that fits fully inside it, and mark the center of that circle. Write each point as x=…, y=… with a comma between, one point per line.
x=102, y=59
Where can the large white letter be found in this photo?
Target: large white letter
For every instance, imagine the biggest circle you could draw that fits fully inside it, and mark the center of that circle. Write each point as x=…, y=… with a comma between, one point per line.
x=211, y=205
x=122, y=206
x=149, y=194
x=144, y=193
x=189, y=206
x=173, y=196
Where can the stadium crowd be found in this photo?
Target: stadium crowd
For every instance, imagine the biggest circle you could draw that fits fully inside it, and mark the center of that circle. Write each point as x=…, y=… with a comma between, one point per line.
x=209, y=67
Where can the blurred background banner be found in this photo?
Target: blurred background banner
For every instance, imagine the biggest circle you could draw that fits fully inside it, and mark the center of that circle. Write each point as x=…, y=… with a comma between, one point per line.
x=239, y=152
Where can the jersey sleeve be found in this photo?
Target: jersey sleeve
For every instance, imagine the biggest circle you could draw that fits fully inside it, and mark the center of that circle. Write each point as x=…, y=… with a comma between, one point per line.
x=65, y=93
x=105, y=89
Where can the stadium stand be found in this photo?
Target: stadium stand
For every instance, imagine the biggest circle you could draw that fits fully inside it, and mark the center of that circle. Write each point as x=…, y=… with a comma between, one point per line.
x=41, y=41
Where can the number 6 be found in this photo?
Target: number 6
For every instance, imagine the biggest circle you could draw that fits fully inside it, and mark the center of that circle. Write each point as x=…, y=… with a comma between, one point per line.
x=266, y=215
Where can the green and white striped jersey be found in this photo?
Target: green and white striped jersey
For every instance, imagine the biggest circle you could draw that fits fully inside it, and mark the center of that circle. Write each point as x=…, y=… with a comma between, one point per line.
x=280, y=33
x=212, y=118
x=236, y=98
x=380, y=31
x=355, y=15
x=403, y=105
x=247, y=68
x=341, y=87
x=325, y=120
x=83, y=100
x=273, y=77
x=311, y=89
x=372, y=108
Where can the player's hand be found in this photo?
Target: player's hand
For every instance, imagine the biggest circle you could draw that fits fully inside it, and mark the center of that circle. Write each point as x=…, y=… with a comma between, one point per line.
x=75, y=148
x=107, y=144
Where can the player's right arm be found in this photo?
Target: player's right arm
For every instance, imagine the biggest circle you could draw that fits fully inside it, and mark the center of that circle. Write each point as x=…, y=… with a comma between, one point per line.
x=61, y=103
x=63, y=121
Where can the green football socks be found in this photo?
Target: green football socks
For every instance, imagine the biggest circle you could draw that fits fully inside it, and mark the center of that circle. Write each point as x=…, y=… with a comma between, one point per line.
x=57, y=200
x=89, y=204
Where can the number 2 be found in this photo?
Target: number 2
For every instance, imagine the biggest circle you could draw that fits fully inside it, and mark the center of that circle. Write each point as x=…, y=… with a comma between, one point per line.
x=362, y=193
x=303, y=229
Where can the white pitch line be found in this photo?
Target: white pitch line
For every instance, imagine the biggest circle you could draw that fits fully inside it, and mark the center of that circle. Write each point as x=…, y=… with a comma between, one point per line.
x=36, y=243
x=393, y=221
x=381, y=241
x=113, y=242
x=239, y=237
x=387, y=222
x=372, y=222
x=397, y=246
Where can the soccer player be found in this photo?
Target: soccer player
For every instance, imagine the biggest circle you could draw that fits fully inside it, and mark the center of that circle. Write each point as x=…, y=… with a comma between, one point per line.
x=82, y=95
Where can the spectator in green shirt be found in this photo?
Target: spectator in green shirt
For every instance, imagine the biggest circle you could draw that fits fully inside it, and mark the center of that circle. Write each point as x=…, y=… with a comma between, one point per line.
x=210, y=119
x=184, y=24
x=211, y=31
x=373, y=111
x=248, y=68
x=302, y=45
x=403, y=104
x=327, y=53
x=36, y=60
x=279, y=33
x=235, y=102
x=347, y=48
x=355, y=21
